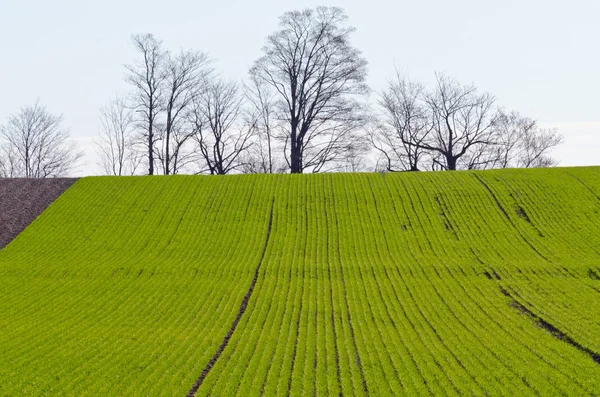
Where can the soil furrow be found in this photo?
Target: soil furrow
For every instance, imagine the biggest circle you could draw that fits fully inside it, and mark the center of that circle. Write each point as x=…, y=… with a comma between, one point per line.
x=241, y=312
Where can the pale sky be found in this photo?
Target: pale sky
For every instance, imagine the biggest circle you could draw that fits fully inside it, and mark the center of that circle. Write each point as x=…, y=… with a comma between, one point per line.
x=539, y=57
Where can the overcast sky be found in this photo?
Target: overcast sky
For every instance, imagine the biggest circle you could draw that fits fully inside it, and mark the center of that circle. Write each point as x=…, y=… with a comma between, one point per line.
x=540, y=57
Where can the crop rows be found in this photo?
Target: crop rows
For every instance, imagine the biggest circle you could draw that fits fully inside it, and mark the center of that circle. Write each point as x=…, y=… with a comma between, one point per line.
x=466, y=283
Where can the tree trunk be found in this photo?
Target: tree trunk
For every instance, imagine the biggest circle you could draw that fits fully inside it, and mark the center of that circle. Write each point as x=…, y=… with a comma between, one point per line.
x=150, y=152
x=295, y=151
x=451, y=163
x=150, y=140
x=295, y=159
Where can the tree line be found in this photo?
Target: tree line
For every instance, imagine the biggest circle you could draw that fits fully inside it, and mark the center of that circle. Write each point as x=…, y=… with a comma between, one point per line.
x=304, y=107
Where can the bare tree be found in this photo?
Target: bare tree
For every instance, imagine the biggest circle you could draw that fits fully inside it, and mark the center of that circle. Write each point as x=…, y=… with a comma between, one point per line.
x=10, y=166
x=186, y=74
x=219, y=136
x=147, y=78
x=36, y=145
x=116, y=144
x=536, y=147
x=407, y=125
x=518, y=143
x=262, y=113
x=461, y=120
x=318, y=77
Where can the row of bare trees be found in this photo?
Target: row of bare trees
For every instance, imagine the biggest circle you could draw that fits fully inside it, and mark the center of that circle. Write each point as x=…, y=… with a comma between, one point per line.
x=453, y=126
x=179, y=117
x=304, y=108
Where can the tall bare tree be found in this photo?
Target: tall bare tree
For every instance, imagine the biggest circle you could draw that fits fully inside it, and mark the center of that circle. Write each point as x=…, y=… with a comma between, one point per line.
x=117, y=145
x=221, y=138
x=407, y=125
x=186, y=75
x=146, y=76
x=318, y=77
x=36, y=145
x=461, y=120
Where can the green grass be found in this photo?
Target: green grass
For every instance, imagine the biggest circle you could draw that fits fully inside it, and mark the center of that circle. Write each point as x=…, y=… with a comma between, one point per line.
x=456, y=283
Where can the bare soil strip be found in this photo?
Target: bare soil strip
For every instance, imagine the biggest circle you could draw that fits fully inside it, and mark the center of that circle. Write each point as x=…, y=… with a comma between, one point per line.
x=241, y=312
x=557, y=333
x=23, y=200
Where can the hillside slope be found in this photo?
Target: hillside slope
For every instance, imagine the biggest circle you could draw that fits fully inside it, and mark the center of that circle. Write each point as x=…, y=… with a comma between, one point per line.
x=464, y=283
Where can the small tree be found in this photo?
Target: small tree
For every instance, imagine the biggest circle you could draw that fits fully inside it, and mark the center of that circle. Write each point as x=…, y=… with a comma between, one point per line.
x=36, y=145
x=220, y=138
x=461, y=120
x=262, y=114
x=518, y=143
x=116, y=144
x=407, y=125
x=186, y=75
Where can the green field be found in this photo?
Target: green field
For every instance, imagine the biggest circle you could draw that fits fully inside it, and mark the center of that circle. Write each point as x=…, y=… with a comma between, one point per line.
x=454, y=283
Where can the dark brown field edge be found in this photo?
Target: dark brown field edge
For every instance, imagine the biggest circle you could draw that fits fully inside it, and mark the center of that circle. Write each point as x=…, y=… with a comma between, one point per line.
x=239, y=316
x=23, y=200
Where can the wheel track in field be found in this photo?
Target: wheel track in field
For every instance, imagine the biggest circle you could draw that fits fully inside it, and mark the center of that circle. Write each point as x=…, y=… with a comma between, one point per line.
x=549, y=327
x=242, y=310
x=508, y=218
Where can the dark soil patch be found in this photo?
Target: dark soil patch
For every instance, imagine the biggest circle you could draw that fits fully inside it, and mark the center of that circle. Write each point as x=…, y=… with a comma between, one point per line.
x=593, y=275
x=23, y=200
x=492, y=274
x=447, y=224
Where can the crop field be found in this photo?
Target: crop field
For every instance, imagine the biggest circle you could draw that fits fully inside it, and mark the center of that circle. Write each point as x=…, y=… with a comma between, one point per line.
x=448, y=284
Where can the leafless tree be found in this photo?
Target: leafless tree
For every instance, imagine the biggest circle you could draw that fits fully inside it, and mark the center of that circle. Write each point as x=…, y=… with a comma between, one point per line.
x=147, y=78
x=10, y=166
x=518, y=143
x=262, y=113
x=186, y=75
x=116, y=144
x=461, y=120
x=536, y=147
x=318, y=78
x=407, y=125
x=36, y=145
x=217, y=131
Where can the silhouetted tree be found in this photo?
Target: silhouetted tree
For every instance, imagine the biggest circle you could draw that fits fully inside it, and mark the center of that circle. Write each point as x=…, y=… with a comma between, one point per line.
x=147, y=78
x=185, y=76
x=461, y=120
x=220, y=138
x=406, y=125
x=317, y=77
